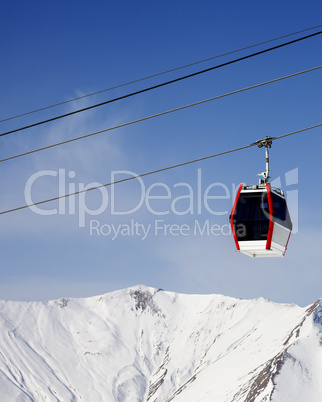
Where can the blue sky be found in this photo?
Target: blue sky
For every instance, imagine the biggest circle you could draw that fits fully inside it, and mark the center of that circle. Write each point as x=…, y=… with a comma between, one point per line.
x=55, y=51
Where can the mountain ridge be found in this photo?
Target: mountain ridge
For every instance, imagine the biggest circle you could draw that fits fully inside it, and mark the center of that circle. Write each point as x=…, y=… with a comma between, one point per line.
x=147, y=344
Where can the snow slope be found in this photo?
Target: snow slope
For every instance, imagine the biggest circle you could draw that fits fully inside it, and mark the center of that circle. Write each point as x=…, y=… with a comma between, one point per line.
x=143, y=344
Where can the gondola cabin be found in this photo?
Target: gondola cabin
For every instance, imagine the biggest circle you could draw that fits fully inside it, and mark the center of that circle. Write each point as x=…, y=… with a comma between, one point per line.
x=260, y=221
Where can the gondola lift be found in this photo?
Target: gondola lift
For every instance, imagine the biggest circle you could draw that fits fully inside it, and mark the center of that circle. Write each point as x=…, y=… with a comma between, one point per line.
x=260, y=221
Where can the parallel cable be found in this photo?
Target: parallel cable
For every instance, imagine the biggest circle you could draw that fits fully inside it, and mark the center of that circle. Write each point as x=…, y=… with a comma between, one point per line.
x=296, y=132
x=155, y=171
x=158, y=114
x=158, y=74
x=161, y=85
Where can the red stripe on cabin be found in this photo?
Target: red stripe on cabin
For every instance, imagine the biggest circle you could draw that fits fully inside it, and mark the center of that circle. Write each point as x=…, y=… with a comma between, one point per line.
x=287, y=244
x=231, y=217
x=271, y=211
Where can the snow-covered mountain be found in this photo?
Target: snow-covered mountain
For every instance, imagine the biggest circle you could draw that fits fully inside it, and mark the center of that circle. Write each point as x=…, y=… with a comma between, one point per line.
x=143, y=344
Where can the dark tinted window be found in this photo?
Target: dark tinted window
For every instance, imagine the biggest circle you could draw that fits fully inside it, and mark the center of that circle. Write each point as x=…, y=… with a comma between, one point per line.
x=281, y=212
x=279, y=206
x=251, y=216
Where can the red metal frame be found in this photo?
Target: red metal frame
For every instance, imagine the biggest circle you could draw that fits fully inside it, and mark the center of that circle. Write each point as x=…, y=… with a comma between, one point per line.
x=271, y=211
x=287, y=243
x=232, y=214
